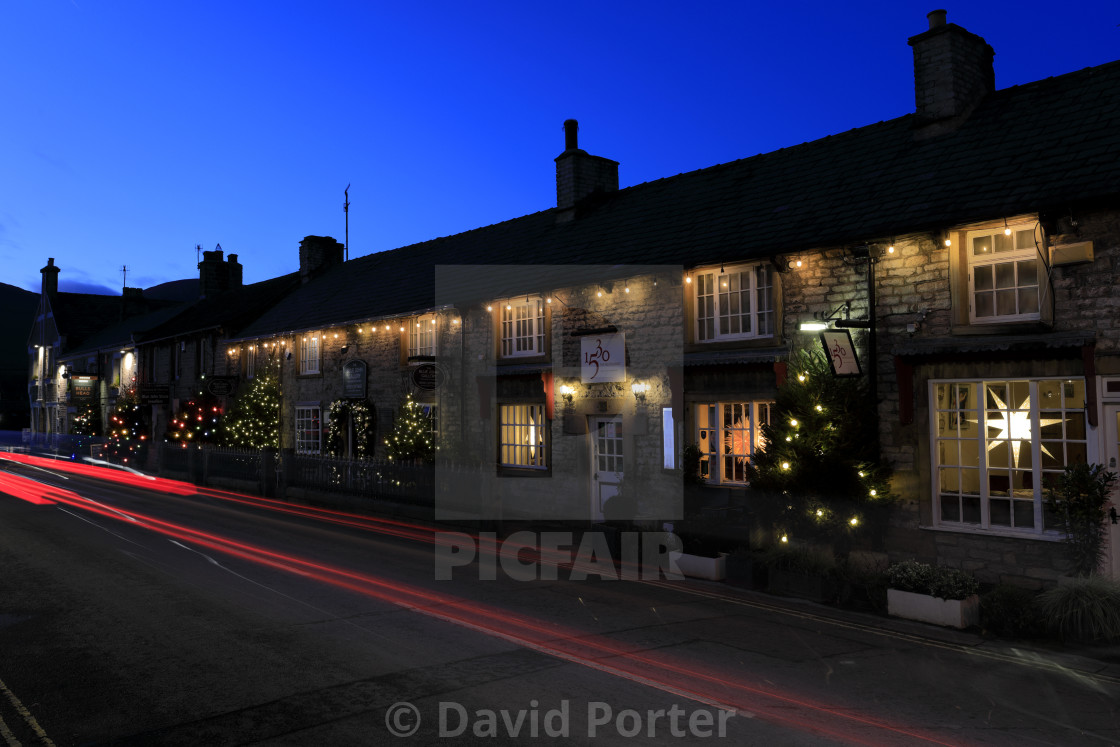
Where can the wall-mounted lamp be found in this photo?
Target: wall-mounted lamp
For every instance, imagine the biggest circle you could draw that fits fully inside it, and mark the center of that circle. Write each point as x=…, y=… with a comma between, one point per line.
x=1006, y=228
x=813, y=326
x=345, y=348
x=567, y=392
x=639, y=391
x=289, y=356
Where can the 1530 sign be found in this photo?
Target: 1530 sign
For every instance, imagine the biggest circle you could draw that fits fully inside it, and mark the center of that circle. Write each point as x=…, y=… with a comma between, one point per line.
x=603, y=358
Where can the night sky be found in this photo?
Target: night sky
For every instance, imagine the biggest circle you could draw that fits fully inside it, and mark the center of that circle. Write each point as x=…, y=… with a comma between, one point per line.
x=133, y=131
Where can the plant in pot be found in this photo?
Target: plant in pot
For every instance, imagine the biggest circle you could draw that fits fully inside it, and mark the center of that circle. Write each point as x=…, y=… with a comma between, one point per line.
x=933, y=594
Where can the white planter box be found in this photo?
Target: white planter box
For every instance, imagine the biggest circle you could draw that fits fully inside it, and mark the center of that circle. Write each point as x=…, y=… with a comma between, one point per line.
x=953, y=613
x=697, y=566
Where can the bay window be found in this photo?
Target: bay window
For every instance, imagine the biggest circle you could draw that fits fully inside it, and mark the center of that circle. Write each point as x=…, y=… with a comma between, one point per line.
x=998, y=444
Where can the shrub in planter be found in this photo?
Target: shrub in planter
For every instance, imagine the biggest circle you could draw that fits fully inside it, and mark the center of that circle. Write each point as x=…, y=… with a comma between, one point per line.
x=800, y=571
x=1085, y=610
x=1078, y=498
x=933, y=594
x=934, y=581
x=1010, y=611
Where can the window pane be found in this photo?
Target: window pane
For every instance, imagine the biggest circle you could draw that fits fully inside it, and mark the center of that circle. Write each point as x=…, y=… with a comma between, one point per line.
x=1024, y=239
x=1005, y=303
x=970, y=453
x=949, y=452
x=1000, y=512
x=971, y=510
x=981, y=246
x=1005, y=274
x=983, y=278
x=950, y=508
x=950, y=480
x=1028, y=272
x=1002, y=243
x=985, y=304
x=1024, y=514
x=1028, y=301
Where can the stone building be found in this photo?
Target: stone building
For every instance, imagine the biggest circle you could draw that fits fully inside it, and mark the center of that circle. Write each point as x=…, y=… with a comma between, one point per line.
x=969, y=248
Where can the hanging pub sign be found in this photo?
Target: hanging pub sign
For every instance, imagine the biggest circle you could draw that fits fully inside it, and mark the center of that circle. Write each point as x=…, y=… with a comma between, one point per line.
x=841, y=353
x=603, y=358
x=354, y=380
x=81, y=387
x=221, y=386
x=427, y=376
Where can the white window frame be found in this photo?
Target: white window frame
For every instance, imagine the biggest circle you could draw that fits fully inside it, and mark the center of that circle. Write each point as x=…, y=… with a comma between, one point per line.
x=522, y=327
x=974, y=428
x=422, y=336
x=523, y=436
x=983, y=257
x=309, y=353
x=725, y=310
x=309, y=428
x=723, y=458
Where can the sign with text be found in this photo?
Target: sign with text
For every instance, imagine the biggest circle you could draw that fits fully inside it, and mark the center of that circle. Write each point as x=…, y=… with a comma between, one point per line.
x=427, y=376
x=154, y=394
x=221, y=386
x=841, y=353
x=603, y=358
x=354, y=380
x=82, y=387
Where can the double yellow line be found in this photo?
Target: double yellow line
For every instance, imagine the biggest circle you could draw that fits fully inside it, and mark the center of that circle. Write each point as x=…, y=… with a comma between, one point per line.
x=25, y=714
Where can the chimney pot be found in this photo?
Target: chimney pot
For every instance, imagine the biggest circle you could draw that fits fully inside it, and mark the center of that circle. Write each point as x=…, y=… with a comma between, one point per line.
x=571, y=139
x=936, y=18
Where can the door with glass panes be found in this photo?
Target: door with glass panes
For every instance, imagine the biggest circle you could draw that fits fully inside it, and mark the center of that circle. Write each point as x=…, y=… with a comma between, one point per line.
x=606, y=461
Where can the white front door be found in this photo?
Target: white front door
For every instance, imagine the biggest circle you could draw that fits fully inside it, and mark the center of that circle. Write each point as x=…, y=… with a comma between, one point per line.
x=1112, y=464
x=606, y=461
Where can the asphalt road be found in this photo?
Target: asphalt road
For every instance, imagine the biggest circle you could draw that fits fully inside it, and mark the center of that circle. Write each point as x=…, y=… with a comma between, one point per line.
x=130, y=615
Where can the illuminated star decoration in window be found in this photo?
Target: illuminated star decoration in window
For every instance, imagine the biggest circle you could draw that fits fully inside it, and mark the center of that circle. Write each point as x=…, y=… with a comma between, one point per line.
x=1015, y=427
x=736, y=440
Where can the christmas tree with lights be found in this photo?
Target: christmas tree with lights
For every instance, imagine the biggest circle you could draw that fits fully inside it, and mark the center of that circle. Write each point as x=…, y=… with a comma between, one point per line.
x=820, y=475
x=198, y=421
x=128, y=433
x=253, y=420
x=86, y=420
x=412, y=434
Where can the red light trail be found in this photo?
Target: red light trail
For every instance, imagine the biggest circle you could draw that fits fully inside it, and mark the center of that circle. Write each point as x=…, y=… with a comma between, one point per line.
x=658, y=669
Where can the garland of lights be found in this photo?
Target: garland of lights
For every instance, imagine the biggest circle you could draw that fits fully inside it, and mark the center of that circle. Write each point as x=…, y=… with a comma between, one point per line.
x=820, y=474
x=412, y=435
x=360, y=414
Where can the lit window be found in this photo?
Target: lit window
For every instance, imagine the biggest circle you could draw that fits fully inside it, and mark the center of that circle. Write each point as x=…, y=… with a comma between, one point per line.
x=308, y=429
x=421, y=336
x=431, y=412
x=668, y=439
x=1003, y=275
x=728, y=434
x=997, y=444
x=309, y=354
x=522, y=436
x=522, y=327
x=734, y=303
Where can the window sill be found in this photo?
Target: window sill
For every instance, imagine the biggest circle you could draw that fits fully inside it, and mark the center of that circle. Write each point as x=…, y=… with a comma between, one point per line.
x=1002, y=328
x=504, y=471
x=766, y=341
x=1049, y=535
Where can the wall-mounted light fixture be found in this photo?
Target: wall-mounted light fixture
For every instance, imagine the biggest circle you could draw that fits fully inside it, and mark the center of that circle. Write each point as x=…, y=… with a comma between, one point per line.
x=567, y=392
x=639, y=390
x=345, y=348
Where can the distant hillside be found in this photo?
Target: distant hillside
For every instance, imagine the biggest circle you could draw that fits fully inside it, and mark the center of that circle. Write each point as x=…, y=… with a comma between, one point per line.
x=17, y=307
x=174, y=290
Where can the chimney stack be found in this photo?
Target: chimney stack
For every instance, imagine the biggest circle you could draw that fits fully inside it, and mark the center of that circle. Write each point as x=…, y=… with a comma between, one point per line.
x=579, y=175
x=952, y=71
x=316, y=254
x=215, y=276
x=50, y=279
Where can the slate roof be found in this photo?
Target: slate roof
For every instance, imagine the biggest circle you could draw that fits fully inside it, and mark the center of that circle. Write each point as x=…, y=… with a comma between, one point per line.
x=79, y=316
x=227, y=311
x=1044, y=146
x=124, y=332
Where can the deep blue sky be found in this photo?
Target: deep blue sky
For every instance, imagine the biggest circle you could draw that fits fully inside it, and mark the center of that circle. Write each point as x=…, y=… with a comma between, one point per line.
x=132, y=131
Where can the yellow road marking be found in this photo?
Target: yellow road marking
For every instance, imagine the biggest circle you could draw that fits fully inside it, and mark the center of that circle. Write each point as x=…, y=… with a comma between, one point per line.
x=27, y=717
